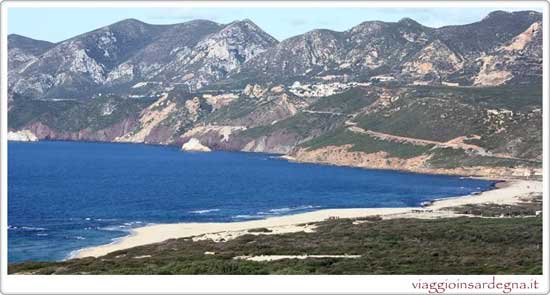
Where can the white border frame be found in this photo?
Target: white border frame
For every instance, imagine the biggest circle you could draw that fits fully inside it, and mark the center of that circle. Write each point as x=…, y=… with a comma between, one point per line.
x=271, y=284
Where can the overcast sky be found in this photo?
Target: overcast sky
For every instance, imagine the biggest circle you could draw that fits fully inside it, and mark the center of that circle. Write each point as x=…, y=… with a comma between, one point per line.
x=57, y=24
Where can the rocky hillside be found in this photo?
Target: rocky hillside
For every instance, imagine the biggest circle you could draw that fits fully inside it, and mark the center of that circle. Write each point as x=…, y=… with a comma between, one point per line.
x=459, y=99
x=131, y=54
x=408, y=52
x=22, y=52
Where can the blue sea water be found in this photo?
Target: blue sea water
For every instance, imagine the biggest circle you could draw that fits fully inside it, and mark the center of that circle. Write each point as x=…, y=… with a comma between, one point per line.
x=64, y=196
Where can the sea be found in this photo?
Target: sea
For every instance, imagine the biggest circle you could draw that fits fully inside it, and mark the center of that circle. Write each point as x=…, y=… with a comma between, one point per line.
x=64, y=196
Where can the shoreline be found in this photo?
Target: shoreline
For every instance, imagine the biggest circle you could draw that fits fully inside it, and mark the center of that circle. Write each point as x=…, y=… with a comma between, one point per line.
x=508, y=192
x=292, y=159
x=428, y=171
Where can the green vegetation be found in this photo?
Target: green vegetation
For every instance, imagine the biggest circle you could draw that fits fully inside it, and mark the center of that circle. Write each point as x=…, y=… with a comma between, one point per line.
x=73, y=116
x=505, y=119
x=322, y=116
x=520, y=136
x=425, y=118
x=513, y=97
x=530, y=207
x=25, y=110
x=301, y=124
x=236, y=109
x=450, y=158
x=441, y=113
x=398, y=246
x=347, y=102
x=260, y=230
x=367, y=144
x=98, y=114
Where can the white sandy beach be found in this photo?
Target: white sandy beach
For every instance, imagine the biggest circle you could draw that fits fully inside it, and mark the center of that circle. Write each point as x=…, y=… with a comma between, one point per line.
x=506, y=193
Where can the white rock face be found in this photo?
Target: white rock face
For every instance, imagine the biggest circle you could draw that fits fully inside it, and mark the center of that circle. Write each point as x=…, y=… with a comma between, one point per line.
x=194, y=145
x=22, y=135
x=224, y=131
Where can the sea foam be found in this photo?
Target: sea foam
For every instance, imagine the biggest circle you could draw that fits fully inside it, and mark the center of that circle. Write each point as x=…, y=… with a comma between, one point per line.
x=204, y=211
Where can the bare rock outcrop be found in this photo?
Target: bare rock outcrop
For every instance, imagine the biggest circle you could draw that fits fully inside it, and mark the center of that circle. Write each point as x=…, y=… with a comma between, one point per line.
x=194, y=145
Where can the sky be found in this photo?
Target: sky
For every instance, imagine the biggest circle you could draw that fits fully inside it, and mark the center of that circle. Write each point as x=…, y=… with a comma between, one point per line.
x=58, y=24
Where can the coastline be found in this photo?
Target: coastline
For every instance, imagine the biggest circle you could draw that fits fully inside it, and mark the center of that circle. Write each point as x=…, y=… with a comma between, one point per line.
x=508, y=192
x=490, y=173
x=478, y=172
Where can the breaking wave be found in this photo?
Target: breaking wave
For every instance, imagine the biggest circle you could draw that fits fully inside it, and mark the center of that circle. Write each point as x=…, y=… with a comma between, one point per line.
x=246, y=216
x=123, y=227
x=288, y=209
x=204, y=211
x=26, y=228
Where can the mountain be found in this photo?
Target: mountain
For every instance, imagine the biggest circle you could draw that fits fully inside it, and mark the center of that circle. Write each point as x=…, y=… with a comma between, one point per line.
x=135, y=58
x=405, y=51
x=392, y=95
x=216, y=55
x=76, y=66
x=23, y=50
x=367, y=49
x=130, y=52
x=496, y=28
